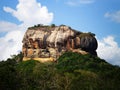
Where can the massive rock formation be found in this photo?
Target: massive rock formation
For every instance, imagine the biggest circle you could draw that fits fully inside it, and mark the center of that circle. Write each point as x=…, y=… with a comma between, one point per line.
x=52, y=41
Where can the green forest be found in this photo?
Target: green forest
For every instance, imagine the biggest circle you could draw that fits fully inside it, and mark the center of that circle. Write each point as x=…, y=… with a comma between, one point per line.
x=72, y=71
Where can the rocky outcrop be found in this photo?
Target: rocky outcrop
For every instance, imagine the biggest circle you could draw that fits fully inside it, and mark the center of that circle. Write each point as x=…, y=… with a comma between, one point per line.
x=48, y=41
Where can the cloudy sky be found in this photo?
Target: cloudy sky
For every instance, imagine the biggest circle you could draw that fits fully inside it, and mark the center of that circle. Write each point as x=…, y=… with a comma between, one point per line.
x=101, y=17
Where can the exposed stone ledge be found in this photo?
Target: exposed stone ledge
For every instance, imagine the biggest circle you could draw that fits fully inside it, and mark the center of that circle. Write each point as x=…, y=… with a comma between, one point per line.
x=42, y=60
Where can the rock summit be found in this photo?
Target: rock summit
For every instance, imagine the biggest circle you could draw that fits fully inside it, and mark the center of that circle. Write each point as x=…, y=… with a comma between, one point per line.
x=49, y=42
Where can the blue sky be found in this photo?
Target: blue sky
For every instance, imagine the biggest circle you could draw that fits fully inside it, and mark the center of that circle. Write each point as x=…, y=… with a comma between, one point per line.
x=101, y=17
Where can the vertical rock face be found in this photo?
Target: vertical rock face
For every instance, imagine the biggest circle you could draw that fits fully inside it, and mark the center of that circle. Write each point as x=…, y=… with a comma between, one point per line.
x=47, y=41
x=88, y=43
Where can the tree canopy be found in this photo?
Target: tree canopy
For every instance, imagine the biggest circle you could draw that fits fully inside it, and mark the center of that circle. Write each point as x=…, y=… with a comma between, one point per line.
x=72, y=71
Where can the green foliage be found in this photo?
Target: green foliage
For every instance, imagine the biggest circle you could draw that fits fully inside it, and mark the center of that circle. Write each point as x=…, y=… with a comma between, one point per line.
x=38, y=26
x=53, y=25
x=72, y=61
x=73, y=71
x=25, y=72
x=94, y=70
x=17, y=58
x=26, y=67
x=8, y=78
x=89, y=34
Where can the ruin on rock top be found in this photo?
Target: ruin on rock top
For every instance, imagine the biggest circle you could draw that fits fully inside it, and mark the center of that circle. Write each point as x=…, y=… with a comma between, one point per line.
x=47, y=43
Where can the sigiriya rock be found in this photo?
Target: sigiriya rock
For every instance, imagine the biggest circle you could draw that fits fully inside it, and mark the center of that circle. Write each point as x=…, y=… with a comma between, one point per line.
x=49, y=42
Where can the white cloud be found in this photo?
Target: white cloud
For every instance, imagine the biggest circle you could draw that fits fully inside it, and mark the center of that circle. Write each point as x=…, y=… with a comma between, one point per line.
x=10, y=44
x=115, y=16
x=6, y=26
x=31, y=12
x=109, y=50
x=78, y=2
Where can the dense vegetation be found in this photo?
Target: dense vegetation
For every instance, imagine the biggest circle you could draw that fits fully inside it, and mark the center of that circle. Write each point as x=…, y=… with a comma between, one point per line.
x=73, y=71
x=41, y=25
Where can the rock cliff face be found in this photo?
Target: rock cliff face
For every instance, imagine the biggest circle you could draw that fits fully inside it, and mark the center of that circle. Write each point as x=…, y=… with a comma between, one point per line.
x=52, y=41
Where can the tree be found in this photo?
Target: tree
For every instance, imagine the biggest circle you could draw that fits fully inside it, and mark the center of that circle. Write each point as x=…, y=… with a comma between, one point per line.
x=53, y=25
x=8, y=75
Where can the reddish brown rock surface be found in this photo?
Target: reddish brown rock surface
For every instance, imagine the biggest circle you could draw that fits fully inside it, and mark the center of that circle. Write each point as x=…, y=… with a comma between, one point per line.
x=48, y=41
